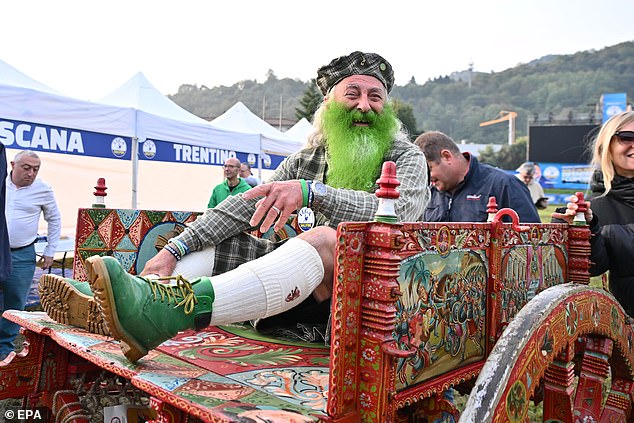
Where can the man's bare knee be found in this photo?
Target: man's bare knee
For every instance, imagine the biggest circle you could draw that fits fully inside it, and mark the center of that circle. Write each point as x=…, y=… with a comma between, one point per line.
x=323, y=239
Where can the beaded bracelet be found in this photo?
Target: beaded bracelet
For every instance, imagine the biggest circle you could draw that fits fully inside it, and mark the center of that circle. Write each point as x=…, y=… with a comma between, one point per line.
x=304, y=192
x=172, y=251
x=182, y=247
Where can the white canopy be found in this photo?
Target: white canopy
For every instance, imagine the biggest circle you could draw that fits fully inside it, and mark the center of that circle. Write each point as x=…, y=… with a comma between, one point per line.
x=139, y=93
x=138, y=123
x=300, y=131
x=27, y=100
x=240, y=118
x=13, y=77
x=159, y=118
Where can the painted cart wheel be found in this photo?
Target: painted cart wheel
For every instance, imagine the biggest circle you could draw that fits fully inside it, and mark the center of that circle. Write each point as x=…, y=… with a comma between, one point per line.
x=571, y=348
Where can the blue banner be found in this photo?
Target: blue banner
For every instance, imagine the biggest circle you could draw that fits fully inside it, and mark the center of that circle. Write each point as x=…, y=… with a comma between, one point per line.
x=562, y=175
x=54, y=139
x=613, y=104
x=164, y=151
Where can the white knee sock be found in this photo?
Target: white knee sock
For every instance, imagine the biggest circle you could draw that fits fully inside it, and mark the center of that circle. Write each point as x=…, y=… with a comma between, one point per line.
x=269, y=285
x=199, y=263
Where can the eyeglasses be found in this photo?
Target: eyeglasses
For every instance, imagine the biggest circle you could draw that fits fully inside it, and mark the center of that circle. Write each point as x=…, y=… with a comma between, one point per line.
x=625, y=137
x=230, y=166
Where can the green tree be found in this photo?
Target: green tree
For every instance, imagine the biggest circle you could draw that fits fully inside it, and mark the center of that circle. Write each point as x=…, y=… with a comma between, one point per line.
x=508, y=157
x=310, y=101
x=405, y=113
x=270, y=76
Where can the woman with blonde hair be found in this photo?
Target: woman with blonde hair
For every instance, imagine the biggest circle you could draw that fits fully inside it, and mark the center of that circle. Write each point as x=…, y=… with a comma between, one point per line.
x=611, y=215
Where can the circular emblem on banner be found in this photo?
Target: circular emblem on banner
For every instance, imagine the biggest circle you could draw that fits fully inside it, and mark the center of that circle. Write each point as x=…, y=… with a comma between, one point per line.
x=266, y=160
x=305, y=219
x=251, y=159
x=149, y=149
x=551, y=172
x=118, y=147
x=614, y=110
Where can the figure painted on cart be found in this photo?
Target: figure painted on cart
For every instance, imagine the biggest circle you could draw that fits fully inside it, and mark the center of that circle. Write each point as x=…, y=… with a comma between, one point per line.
x=462, y=186
x=611, y=211
x=253, y=278
x=27, y=199
x=232, y=185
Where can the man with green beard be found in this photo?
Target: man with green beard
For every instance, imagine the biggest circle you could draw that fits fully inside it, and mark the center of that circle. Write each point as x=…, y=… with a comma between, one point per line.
x=231, y=276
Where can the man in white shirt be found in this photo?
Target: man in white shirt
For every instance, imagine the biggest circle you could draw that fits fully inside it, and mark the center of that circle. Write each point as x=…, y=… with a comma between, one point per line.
x=527, y=175
x=27, y=198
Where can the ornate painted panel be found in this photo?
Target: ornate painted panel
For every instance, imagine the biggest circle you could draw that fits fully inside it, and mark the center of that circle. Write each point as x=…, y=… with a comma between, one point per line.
x=128, y=235
x=440, y=314
x=525, y=264
x=221, y=374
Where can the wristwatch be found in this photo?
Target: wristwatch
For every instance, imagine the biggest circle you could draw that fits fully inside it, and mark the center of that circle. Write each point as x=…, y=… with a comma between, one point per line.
x=319, y=192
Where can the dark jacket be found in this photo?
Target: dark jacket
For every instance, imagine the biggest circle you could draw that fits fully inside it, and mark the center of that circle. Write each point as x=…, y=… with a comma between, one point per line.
x=5, y=250
x=613, y=236
x=469, y=202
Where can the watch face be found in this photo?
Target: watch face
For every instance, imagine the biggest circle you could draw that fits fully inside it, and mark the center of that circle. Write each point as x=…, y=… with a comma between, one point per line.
x=319, y=188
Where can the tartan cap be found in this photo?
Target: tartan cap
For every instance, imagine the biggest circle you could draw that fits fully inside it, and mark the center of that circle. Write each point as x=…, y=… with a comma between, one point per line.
x=356, y=63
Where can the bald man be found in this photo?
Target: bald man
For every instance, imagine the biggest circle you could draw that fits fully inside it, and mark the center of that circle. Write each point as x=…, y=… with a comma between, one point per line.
x=232, y=185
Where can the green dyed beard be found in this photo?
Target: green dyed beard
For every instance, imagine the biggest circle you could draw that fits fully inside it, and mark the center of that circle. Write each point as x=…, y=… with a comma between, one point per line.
x=355, y=153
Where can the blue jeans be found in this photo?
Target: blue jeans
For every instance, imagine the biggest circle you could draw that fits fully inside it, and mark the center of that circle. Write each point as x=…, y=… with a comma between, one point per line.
x=15, y=289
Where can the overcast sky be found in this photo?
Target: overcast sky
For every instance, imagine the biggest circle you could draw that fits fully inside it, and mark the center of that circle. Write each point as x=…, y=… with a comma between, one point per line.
x=86, y=49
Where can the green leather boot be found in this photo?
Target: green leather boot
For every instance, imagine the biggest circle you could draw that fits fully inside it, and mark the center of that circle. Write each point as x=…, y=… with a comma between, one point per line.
x=71, y=302
x=143, y=313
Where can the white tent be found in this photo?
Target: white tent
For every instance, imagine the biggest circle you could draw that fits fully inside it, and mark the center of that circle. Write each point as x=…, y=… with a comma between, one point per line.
x=23, y=99
x=274, y=144
x=167, y=132
x=138, y=122
x=300, y=131
x=240, y=118
x=14, y=78
x=139, y=93
x=35, y=117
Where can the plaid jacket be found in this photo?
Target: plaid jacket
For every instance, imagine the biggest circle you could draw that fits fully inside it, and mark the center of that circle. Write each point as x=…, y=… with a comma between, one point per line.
x=224, y=225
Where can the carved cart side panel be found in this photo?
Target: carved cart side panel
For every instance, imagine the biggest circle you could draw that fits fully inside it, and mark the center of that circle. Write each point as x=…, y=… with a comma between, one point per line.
x=524, y=263
x=418, y=306
x=363, y=319
x=441, y=312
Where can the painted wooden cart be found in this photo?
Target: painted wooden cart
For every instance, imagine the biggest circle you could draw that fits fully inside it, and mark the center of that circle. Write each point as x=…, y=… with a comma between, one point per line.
x=500, y=311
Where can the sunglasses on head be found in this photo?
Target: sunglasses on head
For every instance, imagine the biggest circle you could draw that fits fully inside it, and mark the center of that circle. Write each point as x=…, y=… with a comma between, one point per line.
x=625, y=137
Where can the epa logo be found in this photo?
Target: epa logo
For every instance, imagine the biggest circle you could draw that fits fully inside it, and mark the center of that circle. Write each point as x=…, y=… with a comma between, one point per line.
x=23, y=414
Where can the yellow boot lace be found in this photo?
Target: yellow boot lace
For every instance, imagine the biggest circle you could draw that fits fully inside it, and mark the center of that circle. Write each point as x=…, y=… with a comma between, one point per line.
x=182, y=293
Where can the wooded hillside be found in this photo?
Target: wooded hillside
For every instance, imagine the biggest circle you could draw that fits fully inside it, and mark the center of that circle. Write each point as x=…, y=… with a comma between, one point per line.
x=562, y=86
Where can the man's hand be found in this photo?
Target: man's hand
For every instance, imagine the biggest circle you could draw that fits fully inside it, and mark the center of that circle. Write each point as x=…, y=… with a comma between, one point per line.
x=571, y=211
x=45, y=262
x=162, y=264
x=281, y=199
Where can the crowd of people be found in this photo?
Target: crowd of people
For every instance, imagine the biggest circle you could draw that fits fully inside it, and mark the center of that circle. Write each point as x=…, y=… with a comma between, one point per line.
x=289, y=283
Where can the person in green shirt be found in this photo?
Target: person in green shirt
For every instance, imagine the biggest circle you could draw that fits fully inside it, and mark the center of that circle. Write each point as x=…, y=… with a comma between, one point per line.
x=232, y=184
